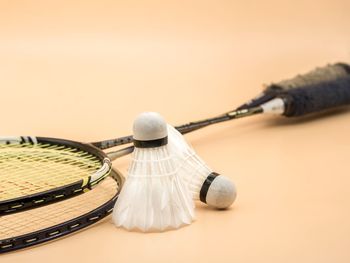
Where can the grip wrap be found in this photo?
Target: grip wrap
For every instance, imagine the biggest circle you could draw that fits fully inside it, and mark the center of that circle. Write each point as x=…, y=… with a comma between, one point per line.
x=317, y=97
x=314, y=77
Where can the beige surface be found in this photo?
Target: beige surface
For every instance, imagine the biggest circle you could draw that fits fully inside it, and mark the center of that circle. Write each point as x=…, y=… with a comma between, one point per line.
x=83, y=70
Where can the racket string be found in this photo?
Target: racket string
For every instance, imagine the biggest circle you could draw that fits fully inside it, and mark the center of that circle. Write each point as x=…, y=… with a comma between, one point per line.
x=43, y=217
x=24, y=166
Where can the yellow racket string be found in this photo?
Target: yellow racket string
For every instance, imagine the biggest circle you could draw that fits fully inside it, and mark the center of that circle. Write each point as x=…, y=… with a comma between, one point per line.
x=47, y=216
x=27, y=169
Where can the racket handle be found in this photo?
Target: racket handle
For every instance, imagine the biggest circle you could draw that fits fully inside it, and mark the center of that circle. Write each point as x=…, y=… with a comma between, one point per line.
x=312, y=78
x=316, y=97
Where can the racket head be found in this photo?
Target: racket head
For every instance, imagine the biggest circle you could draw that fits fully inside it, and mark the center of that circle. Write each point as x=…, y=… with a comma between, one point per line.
x=43, y=224
x=38, y=170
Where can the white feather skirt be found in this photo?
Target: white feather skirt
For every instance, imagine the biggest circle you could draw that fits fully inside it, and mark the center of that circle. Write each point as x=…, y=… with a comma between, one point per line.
x=191, y=167
x=154, y=196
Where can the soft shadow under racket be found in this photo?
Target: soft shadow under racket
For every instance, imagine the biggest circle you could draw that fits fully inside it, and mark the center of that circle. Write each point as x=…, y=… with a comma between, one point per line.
x=35, y=226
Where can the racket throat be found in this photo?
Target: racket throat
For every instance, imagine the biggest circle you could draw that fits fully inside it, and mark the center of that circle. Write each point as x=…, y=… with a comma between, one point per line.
x=274, y=106
x=236, y=114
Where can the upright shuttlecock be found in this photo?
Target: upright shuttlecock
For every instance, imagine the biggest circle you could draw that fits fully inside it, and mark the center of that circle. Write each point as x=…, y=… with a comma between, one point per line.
x=154, y=196
x=207, y=186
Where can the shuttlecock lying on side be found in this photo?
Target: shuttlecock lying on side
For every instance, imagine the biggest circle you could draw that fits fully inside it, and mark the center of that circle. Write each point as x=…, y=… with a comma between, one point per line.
x=154, y=196
x=207, y=186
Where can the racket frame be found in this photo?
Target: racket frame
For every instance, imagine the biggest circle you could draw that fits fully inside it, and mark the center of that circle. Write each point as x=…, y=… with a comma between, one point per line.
x=66, y=191
x=67, y=227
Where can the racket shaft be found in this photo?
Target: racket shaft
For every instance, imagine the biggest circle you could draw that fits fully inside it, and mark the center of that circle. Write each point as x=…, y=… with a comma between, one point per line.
x=192, y=126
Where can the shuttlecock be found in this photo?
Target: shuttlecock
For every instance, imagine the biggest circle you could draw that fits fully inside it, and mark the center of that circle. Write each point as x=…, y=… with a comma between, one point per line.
x=205, y=185
x=154, y=196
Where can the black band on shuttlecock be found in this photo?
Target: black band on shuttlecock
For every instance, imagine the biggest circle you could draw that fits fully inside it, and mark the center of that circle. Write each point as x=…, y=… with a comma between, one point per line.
x=205, y=187
x=151, y=143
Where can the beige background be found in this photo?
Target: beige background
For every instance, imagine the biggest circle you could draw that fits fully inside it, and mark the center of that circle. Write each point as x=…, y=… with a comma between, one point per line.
x=84, y=69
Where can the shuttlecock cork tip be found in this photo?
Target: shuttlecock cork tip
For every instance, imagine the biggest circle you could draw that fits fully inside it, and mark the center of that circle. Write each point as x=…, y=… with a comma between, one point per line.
x=149, y=126
x=221, y=193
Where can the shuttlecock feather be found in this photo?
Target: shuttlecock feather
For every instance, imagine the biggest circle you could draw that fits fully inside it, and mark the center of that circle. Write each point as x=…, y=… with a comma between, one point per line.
x=154, y=196
x=205, y=185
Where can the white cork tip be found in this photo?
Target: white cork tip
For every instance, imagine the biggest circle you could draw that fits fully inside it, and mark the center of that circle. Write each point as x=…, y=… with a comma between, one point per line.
x=221, y=193
x=149, y=126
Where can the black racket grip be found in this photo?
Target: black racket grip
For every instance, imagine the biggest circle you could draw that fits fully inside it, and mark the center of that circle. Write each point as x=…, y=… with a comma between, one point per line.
x=311, y=78
x=315, y=77
x=316, y=97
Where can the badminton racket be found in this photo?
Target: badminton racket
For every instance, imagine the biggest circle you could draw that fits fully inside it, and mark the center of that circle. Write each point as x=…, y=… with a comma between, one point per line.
x=313, y=79
x=35, y=171
x=43, y=224
x=290, y=103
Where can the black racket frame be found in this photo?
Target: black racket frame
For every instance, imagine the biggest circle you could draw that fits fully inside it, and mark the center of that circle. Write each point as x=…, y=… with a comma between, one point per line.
x=56, y=194
x=65, y=228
